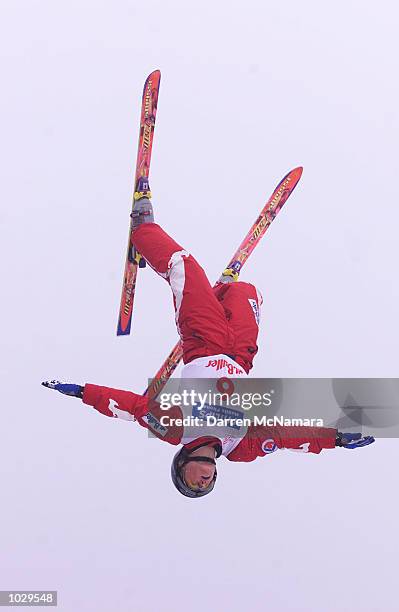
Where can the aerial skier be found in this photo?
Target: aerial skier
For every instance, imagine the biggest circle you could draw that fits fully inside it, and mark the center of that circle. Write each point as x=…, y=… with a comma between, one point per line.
x=218, y=328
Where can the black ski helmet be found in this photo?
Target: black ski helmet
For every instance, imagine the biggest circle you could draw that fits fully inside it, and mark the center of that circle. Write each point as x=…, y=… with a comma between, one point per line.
x=182, y=457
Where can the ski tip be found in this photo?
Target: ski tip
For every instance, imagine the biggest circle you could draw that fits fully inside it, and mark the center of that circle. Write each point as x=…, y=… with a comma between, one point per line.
x=293, y=177
x=297, y=172
x=154, y=74
x=154, y=78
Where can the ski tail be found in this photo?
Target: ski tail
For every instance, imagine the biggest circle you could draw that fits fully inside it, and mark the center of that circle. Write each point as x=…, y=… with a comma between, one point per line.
x=165, y=371
x=268, y=213
x=134, y=261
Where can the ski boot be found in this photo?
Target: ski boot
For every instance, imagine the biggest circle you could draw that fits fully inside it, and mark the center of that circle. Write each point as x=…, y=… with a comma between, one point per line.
x=142, y=208
x=231, y=274
x=142, y=213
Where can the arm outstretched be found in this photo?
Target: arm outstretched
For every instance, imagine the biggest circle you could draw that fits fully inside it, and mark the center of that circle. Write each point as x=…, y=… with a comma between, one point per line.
x=126, y=405
x=261, y=441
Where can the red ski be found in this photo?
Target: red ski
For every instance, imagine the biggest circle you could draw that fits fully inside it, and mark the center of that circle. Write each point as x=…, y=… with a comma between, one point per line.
x=257, y=231
x=134, y=261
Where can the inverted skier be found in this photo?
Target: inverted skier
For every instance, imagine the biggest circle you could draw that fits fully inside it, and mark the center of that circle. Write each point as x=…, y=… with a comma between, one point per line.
x=218, y=329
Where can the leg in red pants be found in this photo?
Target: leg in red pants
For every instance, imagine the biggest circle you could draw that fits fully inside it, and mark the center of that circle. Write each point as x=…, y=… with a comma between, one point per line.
x=241, y=303
x=210, y=322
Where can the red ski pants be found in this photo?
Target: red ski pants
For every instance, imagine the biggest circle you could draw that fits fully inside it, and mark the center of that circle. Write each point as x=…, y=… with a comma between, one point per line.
x=210, y=321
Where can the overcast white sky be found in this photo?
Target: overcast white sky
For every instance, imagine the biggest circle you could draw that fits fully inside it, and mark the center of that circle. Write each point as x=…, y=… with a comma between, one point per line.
x=248, y=91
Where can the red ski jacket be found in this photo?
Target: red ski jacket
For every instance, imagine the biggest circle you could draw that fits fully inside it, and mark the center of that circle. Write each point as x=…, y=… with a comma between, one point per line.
x=258, y=441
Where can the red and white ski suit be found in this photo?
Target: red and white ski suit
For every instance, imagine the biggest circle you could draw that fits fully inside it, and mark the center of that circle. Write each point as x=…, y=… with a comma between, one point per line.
x=210, y=321
x=258, y=440
x=219, y=329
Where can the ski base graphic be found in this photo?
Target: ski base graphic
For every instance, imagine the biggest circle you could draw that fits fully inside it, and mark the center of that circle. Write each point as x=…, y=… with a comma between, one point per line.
x=134, y=260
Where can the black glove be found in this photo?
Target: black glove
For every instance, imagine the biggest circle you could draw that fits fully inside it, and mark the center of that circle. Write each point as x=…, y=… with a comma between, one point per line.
x=352, y=440
x=65, y=388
